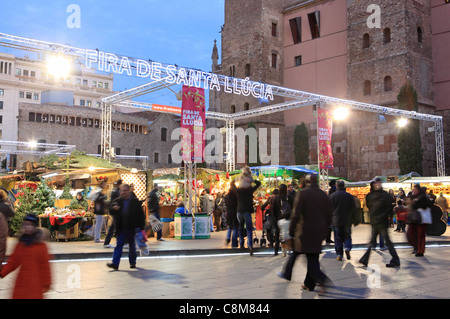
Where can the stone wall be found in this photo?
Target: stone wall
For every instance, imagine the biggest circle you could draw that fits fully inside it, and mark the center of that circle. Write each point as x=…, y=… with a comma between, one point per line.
x=144, y=142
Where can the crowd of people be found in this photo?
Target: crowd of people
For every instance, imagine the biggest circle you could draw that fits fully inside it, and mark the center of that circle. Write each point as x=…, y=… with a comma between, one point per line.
x=302, y=220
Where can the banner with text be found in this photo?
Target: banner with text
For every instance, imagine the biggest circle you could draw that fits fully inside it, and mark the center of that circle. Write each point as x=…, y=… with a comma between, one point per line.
x=325, y=129
x=193, y=122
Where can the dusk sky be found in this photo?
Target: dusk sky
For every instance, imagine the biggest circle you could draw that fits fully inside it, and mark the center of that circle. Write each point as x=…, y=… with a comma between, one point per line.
x=176, y=31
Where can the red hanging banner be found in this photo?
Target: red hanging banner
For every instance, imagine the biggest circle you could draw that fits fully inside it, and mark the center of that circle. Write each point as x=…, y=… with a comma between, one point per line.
x=193, y=122
x=325, y=129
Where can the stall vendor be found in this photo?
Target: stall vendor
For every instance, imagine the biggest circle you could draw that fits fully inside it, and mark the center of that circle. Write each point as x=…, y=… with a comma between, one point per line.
x=79, y=202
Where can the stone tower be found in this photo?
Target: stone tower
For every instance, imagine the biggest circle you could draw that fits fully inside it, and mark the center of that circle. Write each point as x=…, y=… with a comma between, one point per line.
x=389, y=43
x=252, y=42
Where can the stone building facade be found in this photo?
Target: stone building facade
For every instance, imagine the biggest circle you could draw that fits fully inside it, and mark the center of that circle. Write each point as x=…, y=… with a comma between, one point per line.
x=328, y=47
x=252, y=39
x=132, y=133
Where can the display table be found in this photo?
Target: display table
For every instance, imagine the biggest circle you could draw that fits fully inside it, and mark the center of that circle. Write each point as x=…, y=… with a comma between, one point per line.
x=61, y=227
x=183, y=226
x=201, y=226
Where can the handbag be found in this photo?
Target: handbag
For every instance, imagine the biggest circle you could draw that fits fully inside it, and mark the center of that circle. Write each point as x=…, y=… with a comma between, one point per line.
x=414, y=217
x=425, y=215
x=155, y=224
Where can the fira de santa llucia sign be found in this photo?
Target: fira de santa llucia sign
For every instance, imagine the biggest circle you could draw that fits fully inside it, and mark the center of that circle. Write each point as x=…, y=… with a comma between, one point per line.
x=172, y=74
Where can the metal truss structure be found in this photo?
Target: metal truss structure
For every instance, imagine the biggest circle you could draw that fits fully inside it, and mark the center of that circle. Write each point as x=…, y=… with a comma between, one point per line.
x=297, y=98
x=34, y=148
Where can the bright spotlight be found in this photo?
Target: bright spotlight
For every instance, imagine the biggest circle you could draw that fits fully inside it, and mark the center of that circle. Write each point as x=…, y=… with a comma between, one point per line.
x=58, y=66
x=32, y=144
x=402, y=122
x=91, y=168
x=340, y=113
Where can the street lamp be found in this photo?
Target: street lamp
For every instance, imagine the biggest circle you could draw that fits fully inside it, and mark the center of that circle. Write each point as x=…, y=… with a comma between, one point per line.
x=32, y=144
x=402, y=122
x=340, y=113
x=58, y=66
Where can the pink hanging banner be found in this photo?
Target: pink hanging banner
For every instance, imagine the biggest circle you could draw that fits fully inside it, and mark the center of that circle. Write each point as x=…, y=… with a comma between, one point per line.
x=193, y=122
x=325, y=129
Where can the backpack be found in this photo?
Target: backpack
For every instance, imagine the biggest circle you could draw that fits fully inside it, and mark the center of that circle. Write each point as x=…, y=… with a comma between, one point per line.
x=285, y=209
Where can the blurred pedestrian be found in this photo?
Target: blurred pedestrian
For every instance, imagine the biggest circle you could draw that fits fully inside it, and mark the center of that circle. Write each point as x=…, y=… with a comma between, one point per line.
x=219, y=207
x=343, y=205
x=416, y=232
x=208, y=203
x=310, y=218
x=32, y=257
x=442, y=202
x=112, y=228
x=130, y=218
x=99, y=200
x=153, y=208
x=232, y=222
x=245, y=206
x=432, y=197
x=291, y=194
x=331, y=190
x=379, y=204
x=393, y=204
x=401, y=211
x=6, y=212
x=381, y=240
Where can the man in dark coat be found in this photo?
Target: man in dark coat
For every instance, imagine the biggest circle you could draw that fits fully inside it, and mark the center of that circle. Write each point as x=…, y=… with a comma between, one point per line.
x=379, y=203
x=343, y=205
x=111, y=230
x=309, y=224
x=129, y=217
x=232, y=222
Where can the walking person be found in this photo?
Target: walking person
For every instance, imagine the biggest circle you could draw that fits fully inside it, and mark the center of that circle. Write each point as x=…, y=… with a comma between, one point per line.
x=379, y=204
x=331, y=190
x=416, y=229
x=232, y=222
x=6, y=212
x=99, y=200
x=129, y=217
x=111, y=230
x=153, y=208
x=245, y=206
x=310, y=219
x=32, y=257
x=343, y=205
x=219, y=207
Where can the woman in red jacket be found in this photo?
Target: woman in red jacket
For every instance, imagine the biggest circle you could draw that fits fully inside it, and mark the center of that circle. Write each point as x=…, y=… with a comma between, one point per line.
x=31, y=255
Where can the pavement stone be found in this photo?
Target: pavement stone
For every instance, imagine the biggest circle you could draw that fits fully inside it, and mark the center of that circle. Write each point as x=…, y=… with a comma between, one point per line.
x=214, y=245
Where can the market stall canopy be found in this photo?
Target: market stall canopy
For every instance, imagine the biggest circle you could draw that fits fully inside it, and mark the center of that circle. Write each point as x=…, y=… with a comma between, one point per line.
x=280, y=170
x=166, y=171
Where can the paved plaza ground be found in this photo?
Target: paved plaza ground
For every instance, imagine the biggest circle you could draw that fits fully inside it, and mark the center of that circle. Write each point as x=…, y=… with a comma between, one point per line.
x=205, y=269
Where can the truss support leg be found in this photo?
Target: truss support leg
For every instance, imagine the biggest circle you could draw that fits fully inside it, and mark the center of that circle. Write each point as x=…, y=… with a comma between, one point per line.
x=230, y=146
x=440, y=151
x=190, y=187
x=106, y=125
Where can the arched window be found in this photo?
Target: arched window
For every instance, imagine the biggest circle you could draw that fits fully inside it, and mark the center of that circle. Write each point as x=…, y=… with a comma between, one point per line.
x=419, y=35
x=246, y=106
x=367, y=87
x=386, y=35
x=247, y=70
x=233, y=109
x=387, y=84
x=366, y=41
